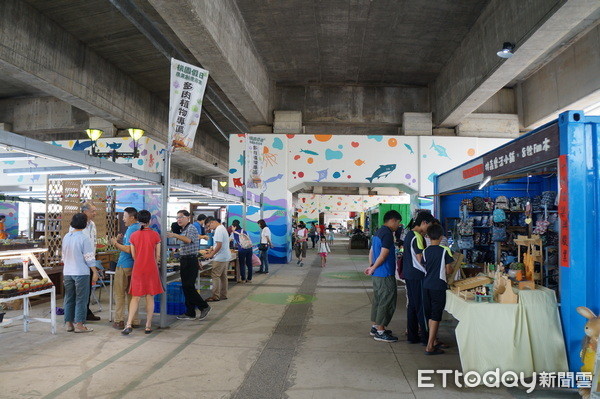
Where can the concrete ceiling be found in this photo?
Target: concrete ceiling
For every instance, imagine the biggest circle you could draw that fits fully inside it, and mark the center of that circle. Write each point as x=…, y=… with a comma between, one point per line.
x=363, y=42
x=104, y=29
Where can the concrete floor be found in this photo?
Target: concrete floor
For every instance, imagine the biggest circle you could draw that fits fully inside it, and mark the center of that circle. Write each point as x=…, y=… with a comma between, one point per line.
x=244, y=349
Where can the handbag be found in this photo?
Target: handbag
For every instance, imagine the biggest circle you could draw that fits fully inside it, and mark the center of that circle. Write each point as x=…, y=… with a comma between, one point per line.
x=256, y=260
x=263, y=247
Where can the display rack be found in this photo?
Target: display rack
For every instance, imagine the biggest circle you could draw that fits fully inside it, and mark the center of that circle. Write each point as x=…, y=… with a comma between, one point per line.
x=28, y=255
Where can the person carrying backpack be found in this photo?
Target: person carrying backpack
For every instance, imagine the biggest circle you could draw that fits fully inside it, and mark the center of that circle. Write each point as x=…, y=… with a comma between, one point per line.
x=243, y=244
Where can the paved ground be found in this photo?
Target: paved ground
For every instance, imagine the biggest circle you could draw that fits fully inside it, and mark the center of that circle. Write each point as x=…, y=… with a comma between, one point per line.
x=299, y=332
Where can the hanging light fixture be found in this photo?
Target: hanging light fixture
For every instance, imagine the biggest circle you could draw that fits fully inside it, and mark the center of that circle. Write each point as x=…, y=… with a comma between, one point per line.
x=95, y=134
x=507, y=50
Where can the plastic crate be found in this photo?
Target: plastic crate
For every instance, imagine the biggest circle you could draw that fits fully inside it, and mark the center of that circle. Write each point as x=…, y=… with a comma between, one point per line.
x=175, y=299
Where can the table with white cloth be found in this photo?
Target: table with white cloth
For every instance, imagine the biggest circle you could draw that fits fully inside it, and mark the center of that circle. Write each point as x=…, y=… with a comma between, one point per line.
x=523, y=337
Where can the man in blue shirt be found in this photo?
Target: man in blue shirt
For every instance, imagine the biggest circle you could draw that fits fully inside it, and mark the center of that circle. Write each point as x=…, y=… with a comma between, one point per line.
x=382, y=258
x=123, y=271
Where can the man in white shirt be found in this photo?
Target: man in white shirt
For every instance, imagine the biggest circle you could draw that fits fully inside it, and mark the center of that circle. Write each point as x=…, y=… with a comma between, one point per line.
x=221, y=257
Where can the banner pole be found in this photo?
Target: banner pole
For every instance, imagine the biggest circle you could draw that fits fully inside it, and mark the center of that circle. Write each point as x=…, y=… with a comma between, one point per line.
x=163, y=234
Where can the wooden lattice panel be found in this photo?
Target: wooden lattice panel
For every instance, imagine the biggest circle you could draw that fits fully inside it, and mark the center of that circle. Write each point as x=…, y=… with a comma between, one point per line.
x=112, y=224
x=52, y=222
x=71, y=203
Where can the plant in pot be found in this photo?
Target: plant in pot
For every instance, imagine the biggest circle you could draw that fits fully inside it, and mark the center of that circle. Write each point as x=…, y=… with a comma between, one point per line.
x=518, y=269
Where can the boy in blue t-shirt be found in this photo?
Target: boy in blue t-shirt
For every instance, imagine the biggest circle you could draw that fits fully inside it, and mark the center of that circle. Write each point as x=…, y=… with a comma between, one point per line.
x=437, y=260
x=382, y=258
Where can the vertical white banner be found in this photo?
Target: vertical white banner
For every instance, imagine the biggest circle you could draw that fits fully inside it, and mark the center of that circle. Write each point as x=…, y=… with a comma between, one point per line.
x=188, y=83
x=254, y=161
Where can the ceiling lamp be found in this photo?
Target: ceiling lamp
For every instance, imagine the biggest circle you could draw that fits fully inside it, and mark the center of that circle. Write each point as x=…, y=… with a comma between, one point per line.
x=95, y=134
x=507, y=50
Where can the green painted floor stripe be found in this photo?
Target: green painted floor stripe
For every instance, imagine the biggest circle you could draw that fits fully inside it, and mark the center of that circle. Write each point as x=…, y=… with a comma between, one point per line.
x=132, y=385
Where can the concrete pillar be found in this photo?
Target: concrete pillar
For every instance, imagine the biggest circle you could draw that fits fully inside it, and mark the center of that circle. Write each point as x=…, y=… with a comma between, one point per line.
x=98, y=123
x=489, y=125
x=417, y=124
x=287, y=122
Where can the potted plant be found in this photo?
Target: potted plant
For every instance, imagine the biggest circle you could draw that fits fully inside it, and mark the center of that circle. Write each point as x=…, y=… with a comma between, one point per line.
x=518, y=268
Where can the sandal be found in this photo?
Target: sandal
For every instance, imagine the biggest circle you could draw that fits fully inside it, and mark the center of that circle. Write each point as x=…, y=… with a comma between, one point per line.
x=69, y=328
x=436, y=351
x=127, y=330
x=148, y=330
x=82, y=330
x=442, y=345
x=212, y=299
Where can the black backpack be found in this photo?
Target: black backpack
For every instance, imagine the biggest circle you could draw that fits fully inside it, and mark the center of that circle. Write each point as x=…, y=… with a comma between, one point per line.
x=478, y=204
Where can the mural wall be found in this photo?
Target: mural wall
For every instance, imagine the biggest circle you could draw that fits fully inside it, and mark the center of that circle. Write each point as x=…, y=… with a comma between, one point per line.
x=279, y=164
x=11, y=223
x=310, y=205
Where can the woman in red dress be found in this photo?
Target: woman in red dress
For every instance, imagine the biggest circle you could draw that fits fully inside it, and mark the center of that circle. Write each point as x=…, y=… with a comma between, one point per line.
x=145, y=279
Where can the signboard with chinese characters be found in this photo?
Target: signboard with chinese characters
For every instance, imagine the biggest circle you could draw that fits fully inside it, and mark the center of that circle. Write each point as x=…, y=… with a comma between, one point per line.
x=188, y=83
x=529, y=150
x=563, y=210
x=254, y=160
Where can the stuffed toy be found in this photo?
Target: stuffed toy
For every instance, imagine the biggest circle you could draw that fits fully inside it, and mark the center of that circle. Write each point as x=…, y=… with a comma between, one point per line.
x=590, y=344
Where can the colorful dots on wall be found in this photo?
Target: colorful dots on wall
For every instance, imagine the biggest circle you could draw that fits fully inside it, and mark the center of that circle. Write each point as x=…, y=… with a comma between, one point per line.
x=340, y=146
x=297, y=157
x=300, y=174
x=471, y=152
x=331, y=154
x=232, y=170
x=355, y=144
x=336, y=175
x=290, y=136
x=309, y=141
x=392, y=142
x=310, y=160
x=323, y=137
x=140, y=162
x=277, y=143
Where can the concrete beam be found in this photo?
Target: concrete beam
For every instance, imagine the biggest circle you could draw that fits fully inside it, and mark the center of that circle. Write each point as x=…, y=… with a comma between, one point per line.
x=475, y=73
x=215, y=33
x=417, y=124
x=336, y=109
x=41, y=54
x=569, y=81
x=40, y=115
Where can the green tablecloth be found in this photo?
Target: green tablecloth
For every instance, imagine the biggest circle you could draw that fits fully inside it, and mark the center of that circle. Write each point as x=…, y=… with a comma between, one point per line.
x=523, y=337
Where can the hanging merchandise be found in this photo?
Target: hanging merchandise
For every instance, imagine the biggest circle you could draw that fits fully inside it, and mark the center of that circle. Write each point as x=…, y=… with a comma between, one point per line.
x=465, y=227
x=502, y=202
x=548, y=199
x=489, y=204
x=478, y=204
x=467, y=203
x=466, y=242
x=499, y=233
x=499, y=215
x=516, y=204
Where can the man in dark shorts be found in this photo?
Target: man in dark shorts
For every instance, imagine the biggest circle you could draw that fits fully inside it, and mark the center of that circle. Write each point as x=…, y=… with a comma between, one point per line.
x=382, y=258
x=437, y=261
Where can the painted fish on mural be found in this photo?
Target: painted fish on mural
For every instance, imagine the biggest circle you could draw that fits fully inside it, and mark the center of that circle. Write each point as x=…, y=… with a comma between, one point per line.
x=272, y=179
x=431, y=177
x=35, y=178
x=237, y=182
x=409, y=148
x=30, y=162
x=322, y=174
x=359, y=162
x=80, y=146
x=441, y=151
x=382, y=171
x=309, y=152
x=114, y=146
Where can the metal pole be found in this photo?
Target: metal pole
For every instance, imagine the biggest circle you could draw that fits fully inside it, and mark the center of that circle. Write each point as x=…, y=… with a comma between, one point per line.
x=166, y=181
x=244, y=192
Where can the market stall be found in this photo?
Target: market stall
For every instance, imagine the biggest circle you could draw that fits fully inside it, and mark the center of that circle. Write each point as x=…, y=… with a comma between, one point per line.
x=59, y=177
x=528, y=208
